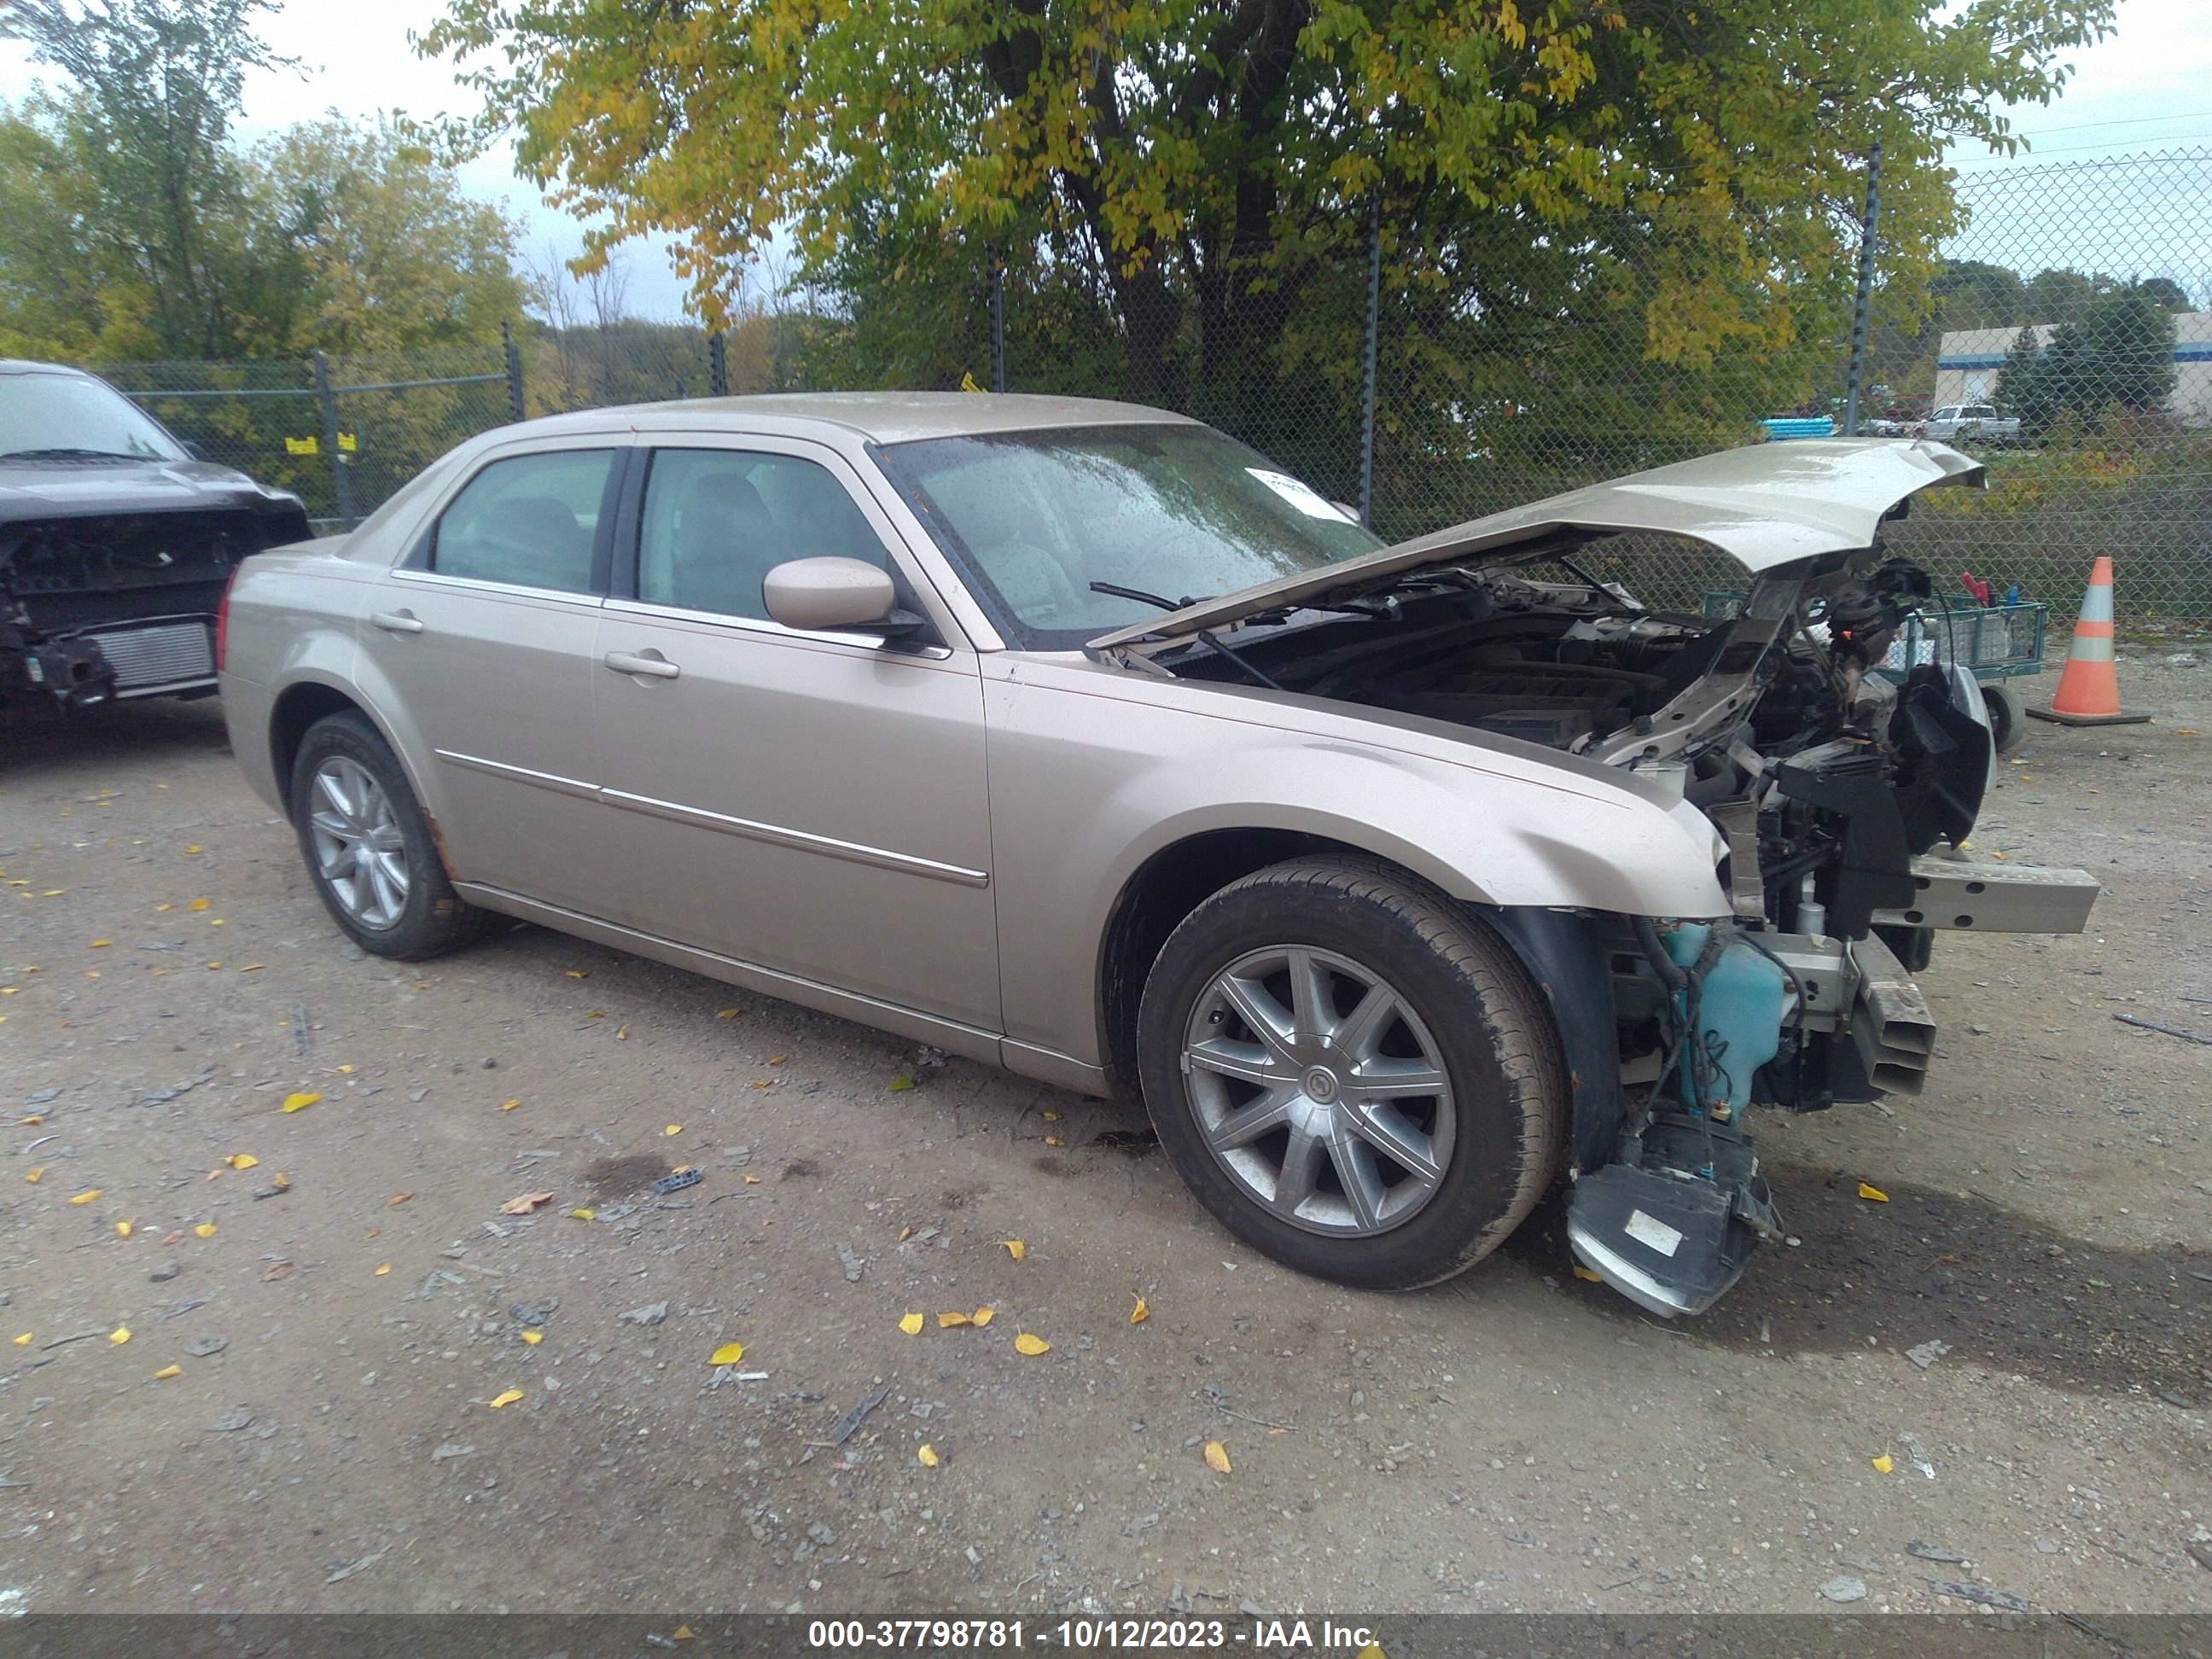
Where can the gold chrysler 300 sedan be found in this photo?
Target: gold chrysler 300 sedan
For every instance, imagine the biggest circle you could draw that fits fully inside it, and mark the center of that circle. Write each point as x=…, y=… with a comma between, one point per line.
x=1078, y=738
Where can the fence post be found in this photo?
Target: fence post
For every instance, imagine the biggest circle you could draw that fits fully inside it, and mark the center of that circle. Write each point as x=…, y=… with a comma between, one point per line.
x=1866, y=290
x=718, y=366
x=1374, y=326
x=514, y=354
x=998, y=323
x=341, y=475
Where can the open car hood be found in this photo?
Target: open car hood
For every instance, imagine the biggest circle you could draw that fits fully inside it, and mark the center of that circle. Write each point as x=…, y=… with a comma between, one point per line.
x=1765, y=504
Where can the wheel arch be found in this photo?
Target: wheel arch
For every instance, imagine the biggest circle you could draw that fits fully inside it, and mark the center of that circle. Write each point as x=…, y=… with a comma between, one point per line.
x=293, y=714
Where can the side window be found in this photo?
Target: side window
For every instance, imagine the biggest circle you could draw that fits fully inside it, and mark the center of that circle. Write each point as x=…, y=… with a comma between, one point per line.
x=531, y=520
x=716, y=521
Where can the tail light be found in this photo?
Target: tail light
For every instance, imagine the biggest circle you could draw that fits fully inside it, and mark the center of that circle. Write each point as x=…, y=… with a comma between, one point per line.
x=222, y=618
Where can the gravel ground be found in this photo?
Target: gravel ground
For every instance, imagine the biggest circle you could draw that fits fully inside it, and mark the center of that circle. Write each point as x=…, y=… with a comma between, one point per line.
x=300, y=1416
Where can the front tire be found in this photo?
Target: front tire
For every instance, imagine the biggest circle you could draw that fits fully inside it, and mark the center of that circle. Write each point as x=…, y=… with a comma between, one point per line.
x=2007, y=728
x=1353, y=1073
x=368, y=847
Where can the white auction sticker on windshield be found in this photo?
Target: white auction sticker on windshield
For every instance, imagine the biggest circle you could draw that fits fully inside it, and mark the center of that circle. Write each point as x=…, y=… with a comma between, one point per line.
x=1302, y=495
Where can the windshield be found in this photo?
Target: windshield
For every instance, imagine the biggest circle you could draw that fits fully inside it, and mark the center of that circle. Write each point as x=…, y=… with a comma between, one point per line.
x=1033, y=518
x=69, y=415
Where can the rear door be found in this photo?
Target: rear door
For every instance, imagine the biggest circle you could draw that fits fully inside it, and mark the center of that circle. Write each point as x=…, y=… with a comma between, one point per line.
x=811, y=803
x=483, y=639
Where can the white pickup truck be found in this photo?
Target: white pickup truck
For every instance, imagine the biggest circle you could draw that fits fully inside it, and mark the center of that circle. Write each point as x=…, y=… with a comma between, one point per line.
x=1967, y=423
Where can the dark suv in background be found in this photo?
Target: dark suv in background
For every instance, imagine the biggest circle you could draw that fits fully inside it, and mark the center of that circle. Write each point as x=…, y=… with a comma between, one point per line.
x=115, y=544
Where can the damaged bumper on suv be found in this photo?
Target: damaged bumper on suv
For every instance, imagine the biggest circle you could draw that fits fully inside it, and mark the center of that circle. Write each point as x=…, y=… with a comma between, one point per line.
x=1838, y=796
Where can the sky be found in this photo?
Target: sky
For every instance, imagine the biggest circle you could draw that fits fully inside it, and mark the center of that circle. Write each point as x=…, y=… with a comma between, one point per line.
x=2146, y=87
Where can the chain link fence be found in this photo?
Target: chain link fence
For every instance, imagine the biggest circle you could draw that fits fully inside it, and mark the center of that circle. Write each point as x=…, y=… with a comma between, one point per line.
x=2068, y=344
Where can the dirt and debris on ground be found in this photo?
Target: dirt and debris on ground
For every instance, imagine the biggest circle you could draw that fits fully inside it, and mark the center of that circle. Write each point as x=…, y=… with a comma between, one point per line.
x=383, y=1392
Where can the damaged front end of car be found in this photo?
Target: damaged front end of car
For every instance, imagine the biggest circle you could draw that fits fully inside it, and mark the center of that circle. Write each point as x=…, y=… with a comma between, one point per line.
x=1840, y=783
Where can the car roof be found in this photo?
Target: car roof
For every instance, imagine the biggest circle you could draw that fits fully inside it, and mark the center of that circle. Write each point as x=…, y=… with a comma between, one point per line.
x=23, y=365
x=887, y=417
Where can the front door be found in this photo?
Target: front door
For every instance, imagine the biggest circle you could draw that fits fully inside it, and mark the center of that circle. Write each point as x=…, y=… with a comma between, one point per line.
x=480, y=645
x=810, y=803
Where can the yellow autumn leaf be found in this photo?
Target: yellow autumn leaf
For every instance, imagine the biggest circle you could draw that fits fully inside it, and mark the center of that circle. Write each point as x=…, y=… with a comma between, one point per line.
x=1054, y=1141
x=34, y=1176
x=507, y=1399
x=86, y=1196
x=119, y=1335
x=1216, y=1457
x=946, y=1322
x=198, y=905
x=24, y=1340
x=728, y=1354
x=1140, y=1313
x=241, y=1160
x=382, y=1268
x=752, y=1181
x=33, y=1121
x=344, y=1070
x=1015, y=1248
x=1031, y=1346
x=124, y=1230
x=928, y=1456
x=1884, y=1464
x=168, y=1371
x=98, y=944
x=727, y=1014
x=621, y=1034
x=1049, y=1117
x=205, y=1229
x=298, y=1102
x=673, y=1129
x=682, y=1633
x=1582, y=1272
x=911, y=1324
x=576, y=973
x=581, y=1214
x=983, y=1316
x=1873, y=1194
x=533, y=1338
x=192, y=849
x=508, y=1105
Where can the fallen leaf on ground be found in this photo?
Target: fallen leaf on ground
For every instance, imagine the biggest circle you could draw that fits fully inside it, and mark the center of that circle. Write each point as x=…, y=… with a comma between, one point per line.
x=911, y=1324
x=276, y=1270
x=1582, y=1272
x=901, y=1084
x=946, y=1322
x=728, y=1014
x=191, y=849
x=508, y=1105
x=929, y=1456
x=397, y=1199
x=1216, y=1457
x=576, y=973
x=621, y=1034
x=205, y=1229
x=119, y=1335
x=533, y=1338
x=1031, y=1346
x=984, y=1315
x=673, y=1129
x=382, y=1268
x=1049, y=1117
x=198, y=905
x=86, y=1196
x=1140, y=1313
x=1884, y=1464
x=298, y=1102
x=168, y=1371
x=24, y=1340
x=124, y=1230
x=507, y=1399
x=1015, y=1248
x=1873, y=1194
x=281, y=1182
x=1054, y=1141
x=33, y=1121
x=98, y=944
x=523, y=1203
x=728, y=1354
x=905, y=1233
x=255, y=968
x=34, y=1176
x=241, y=1160
x=343, y=1070
x=752, y=1181
x=581, y=1214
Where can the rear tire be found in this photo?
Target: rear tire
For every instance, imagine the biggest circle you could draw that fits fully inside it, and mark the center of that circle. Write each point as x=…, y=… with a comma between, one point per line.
x=1353, y=1072
x=368, y=847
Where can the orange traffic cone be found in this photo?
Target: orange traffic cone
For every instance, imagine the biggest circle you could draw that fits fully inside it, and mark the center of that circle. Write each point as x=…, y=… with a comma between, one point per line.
x=2089, y=685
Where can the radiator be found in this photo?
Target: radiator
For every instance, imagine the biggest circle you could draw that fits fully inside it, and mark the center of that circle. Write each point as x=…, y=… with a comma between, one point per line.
x=148, y=659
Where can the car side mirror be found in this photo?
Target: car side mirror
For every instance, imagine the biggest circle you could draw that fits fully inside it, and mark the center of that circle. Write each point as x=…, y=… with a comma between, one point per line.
x=197, y=451
x=835, y=594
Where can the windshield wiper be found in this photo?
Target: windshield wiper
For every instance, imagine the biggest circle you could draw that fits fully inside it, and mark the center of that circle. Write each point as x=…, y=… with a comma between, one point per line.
x=1137, y=593
x=72, y=455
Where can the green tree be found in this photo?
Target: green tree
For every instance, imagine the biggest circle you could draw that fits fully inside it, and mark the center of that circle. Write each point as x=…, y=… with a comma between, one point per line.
x=2115, y=355
x=1211, y=162
x=155, y=86
x=2166, y=293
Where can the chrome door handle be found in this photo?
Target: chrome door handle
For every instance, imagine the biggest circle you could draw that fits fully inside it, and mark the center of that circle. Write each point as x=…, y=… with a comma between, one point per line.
x=397, y=622
x=658, y=667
